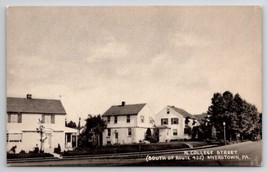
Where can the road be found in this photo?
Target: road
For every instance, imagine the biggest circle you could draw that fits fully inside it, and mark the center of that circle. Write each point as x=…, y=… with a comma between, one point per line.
x=241, y=154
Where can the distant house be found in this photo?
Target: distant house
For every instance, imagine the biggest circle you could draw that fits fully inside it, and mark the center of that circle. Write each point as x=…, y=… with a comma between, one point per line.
x=174, y=123
x=26, y=115
x=127, y=123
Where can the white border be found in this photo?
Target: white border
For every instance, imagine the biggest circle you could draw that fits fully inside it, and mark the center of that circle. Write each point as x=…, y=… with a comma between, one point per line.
x=4, y=3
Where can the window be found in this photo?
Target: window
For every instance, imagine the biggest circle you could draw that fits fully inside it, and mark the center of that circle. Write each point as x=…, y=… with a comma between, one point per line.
x=129, y=132
x=108, y=142
x=68, y=135
x=14, y=118
x=175, y=132
x=164, y=121
x=115, y=119
x=174, y=121
x=116, y=135
x=151, y=121
x=109, y=132
x=142, y=119
x=14, y=137
x=108, y=119
x=48, y=119
x=168, y=111
x=128, y=120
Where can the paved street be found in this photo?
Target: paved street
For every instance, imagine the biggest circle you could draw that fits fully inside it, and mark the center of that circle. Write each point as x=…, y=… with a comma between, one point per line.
x=242, y=154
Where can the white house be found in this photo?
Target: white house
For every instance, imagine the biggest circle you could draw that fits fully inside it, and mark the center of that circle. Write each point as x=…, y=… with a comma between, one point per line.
x=25, y=116
x=174, y=123
x=127, y=123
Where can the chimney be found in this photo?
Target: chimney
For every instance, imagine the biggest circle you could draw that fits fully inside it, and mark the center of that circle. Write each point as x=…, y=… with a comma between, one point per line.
x=122, y=103
x=29, y=96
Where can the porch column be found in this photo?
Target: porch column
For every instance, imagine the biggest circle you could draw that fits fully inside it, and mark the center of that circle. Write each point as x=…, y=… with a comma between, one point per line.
x=66, y=140
x=76, y=140
x=71, y=139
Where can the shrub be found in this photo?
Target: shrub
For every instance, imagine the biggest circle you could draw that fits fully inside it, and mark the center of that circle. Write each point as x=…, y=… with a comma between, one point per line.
x=109, y=149
x=22, y=152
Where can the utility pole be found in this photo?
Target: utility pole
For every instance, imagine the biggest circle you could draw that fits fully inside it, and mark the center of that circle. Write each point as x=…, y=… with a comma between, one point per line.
x=224, y=133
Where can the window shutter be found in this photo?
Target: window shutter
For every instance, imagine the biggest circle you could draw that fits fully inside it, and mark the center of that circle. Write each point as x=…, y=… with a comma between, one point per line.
x=8, y=118
x=161, y=121
x=53, y=119
x=43, y=119
x=19, y=118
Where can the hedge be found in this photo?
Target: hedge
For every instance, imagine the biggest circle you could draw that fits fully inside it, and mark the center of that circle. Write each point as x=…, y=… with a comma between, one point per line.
x=109, y=149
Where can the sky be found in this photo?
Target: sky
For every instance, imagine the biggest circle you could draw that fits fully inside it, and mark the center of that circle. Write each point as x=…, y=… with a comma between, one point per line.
x=94, y=57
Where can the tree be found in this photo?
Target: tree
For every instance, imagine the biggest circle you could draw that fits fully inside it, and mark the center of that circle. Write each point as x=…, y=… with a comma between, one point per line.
x=213, y=133
x=41, y=130
x=187, y=121
x=240, y=117
x=197, y=133
x=155, y=136
x=148, y=134
x=94, y=127
x=71, y=124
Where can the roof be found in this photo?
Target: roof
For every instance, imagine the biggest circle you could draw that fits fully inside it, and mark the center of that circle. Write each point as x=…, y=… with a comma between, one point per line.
x=201, y=117
x=24, y=105
x=162, y=127
x=131, y=109
x=70, y=130
x=184, y=113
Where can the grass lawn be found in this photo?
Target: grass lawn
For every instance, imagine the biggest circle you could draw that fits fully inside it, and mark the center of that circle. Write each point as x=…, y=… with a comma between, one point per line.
x=108, y=149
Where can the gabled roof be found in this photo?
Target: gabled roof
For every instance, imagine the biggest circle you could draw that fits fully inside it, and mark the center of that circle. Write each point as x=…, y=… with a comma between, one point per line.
x=184, y=113
x=131, y=109
x=38, y=106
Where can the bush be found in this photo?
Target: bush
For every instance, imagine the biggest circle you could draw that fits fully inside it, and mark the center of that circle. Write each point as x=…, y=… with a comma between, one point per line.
x=22, y=152
x=109, y=149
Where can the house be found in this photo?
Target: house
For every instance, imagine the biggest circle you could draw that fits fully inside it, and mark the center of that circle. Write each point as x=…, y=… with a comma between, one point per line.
x=174, y=124
x=31, y=120
x=127, y=124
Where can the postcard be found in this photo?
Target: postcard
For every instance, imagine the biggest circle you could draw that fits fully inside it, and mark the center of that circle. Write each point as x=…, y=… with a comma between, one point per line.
x=134, y=86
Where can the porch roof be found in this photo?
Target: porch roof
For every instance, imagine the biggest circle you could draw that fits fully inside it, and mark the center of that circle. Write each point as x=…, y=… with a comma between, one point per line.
x=162, y=127
x=70, y=130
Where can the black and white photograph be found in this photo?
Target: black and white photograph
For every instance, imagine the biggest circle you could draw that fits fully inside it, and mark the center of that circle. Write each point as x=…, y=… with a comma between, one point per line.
x=98, y=86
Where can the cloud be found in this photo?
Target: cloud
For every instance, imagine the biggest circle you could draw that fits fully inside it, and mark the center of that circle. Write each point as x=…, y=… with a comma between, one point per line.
x=109, y=50
x=189, y=39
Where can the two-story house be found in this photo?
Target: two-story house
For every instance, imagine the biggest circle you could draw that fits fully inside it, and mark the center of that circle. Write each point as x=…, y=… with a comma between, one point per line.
x=127, y=123
x=174, y=123
x=25, y=116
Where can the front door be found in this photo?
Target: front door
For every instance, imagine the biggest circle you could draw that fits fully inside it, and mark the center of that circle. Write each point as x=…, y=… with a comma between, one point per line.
x=48, y=143
x=117, y=137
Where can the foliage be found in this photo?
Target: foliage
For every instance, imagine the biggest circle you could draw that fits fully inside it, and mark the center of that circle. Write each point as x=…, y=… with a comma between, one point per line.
x=152, y=138
x=196, y=133
x=41, y=130
x=148, y=134
x=155, y=136
x=241, y=118
x=92, y=134
x=213, y=133
x=188, y=130
x=125, y=148
x=187, y=120
x=71, y=124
